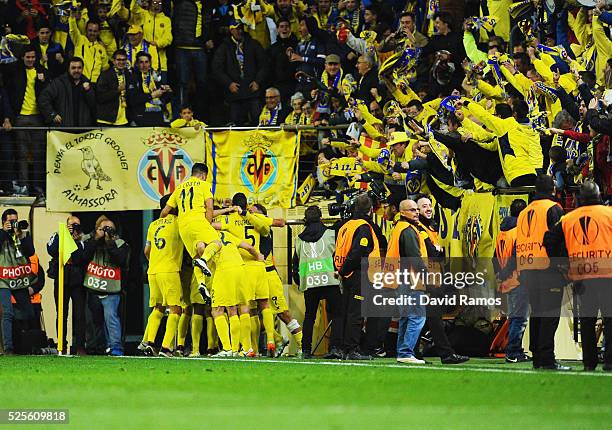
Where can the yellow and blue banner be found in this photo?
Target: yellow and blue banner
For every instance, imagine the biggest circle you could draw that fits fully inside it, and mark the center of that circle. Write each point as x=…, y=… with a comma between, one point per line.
x=262, y=164
x=118, y=169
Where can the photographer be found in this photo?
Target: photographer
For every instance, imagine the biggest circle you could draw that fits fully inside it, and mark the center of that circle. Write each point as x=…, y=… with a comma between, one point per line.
x=356, y=240
x=16, y=275
x=146, y=97
x=74, y=271
x=107, y=258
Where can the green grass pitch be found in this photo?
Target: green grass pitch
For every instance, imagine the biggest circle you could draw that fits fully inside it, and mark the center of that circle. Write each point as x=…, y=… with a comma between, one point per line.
x=157, y=393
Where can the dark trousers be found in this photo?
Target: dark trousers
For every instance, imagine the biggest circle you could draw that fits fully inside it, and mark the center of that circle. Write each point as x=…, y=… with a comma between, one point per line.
x=595, y=295
x=94, y=332
x=312, y=297
x=22, y=304
x=245, y=112
x=436, y=325
x=31, y=150
x=545, y=289
x=376, y=332
x=191, y=62
x=78, y=295
x=351, y=312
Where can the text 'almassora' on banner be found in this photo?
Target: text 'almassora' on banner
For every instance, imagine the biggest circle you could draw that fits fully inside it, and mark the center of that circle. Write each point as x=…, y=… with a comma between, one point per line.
x=262, y=164
x=118, y=169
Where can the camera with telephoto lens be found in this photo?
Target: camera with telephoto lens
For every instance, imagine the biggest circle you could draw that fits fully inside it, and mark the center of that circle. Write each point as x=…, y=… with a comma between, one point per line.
x=76, y=228
x=377, y=192
x=109, y=230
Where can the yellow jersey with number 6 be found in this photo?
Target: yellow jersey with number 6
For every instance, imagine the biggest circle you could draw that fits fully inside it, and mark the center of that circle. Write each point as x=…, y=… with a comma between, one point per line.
x=166, y=246
x=190, y=199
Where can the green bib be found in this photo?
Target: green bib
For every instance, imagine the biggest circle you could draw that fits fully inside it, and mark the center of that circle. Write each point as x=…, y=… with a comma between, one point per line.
x=316, y=262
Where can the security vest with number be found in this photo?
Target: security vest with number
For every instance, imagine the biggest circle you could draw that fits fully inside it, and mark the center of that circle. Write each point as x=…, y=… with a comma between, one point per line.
x=345, y=241
x=392, y=260
x=316, y=261
x=506, y=241
x=588, y=238
x=15, y=272
x=531, y=226
x=102, y=275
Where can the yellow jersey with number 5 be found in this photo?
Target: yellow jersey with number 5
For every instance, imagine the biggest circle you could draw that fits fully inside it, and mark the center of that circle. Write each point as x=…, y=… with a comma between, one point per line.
x=190, y=199
x=166, y=246
x=238, y=225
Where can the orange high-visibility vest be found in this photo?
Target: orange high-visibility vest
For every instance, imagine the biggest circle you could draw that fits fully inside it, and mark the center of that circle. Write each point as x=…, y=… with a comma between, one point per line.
x=506, y=241
x=392, y=261
x=345, y=240
x=34, y=298
x=531, y=226
x=588, y=238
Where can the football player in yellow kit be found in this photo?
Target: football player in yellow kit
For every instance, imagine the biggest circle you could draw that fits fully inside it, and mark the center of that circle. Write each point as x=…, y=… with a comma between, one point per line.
x=249, y=227
x=193, y=200
x=228, y=276
x=278, y=303
x=164, y=250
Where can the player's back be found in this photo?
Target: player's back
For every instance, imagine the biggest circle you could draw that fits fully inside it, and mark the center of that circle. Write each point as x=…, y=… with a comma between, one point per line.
x=190, y=199
x=229, y=255
x=239, y=226
x=166, y=246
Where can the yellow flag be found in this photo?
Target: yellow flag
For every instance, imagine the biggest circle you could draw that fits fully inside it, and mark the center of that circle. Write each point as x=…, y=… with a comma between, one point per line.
x=66, y=244
x=306, y=188
x=262, y=164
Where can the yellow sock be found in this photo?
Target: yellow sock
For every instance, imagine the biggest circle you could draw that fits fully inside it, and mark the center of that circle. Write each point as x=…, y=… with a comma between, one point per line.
x=211, y=249
x=153, y=323
x=298, y=339
x=245, y=331
x=277, y=337
x=255, y=327
x=234, y=325
x=182, y=329
x=223, y=332
x=197, y=322
x=171, y=327
x=146, y=332
x=268, y=322
x=210, y=332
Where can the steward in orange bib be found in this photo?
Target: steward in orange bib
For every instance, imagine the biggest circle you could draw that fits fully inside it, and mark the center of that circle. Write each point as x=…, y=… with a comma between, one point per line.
x=584, y=235
x=435, y=256
x=408, y=244
x=504, y=263
x=544, y=284
x=356, y=239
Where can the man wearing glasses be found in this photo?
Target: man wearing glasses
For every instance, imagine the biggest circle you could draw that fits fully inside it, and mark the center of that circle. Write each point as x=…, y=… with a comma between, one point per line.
x=111, y=92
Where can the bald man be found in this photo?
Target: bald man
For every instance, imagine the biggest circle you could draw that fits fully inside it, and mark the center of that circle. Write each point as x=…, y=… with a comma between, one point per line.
x=74, y=271
x=408, y=245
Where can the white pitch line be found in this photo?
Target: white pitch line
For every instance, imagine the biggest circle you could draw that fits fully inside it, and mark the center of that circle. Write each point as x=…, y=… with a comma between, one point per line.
x=394, y=366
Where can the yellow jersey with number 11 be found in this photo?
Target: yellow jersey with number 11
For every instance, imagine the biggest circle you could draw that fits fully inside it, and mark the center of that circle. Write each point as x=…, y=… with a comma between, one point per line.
x=190, y=199
x=166, y=246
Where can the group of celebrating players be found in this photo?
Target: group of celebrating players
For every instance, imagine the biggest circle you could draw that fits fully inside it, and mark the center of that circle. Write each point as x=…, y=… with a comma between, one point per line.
x=229, y=279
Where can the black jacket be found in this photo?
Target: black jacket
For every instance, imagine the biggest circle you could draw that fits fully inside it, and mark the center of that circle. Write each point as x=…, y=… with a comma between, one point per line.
x=26, y=247
x=184, y=21
x=137, y=99
x=76, y=106
x=226, y=69
x=409, y=248
x=15, y=81
x=54, y=67
x=282, y=72
x=107, y=94
x=74, y=271
x=365, y=84
x=6, y=111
